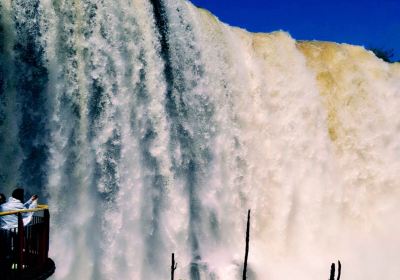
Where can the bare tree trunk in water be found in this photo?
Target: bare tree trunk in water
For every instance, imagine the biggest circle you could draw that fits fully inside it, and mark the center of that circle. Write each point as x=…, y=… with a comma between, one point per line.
x=247, y=246
x=173, y=266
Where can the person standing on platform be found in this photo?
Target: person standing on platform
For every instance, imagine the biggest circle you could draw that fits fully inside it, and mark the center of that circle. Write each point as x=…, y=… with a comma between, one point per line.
x=14, y=203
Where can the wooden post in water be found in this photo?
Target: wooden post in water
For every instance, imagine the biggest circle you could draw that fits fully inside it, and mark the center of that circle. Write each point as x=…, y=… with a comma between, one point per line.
x=174, y=265
x=246, y=255
x=332, y=276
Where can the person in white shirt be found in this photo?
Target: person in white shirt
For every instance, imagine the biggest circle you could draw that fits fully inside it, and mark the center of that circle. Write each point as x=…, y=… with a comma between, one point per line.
x=15, y=203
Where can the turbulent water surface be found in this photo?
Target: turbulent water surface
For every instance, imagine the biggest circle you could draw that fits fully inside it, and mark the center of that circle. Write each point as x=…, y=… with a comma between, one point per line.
x=150, y=127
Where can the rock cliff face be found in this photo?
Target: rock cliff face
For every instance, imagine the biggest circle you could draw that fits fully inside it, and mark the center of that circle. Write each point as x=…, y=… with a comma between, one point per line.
x=150, y=127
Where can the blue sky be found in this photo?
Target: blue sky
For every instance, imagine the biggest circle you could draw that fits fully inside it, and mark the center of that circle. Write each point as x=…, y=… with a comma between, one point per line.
x=370, y=23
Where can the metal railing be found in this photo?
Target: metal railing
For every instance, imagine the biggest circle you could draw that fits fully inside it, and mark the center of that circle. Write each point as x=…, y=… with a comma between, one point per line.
x=24, y=249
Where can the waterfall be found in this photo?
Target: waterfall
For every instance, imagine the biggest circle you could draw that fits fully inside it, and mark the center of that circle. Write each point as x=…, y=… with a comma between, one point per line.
x=149, y=127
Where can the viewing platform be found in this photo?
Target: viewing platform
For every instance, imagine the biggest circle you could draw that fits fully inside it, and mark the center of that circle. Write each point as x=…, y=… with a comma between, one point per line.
x=24, y=249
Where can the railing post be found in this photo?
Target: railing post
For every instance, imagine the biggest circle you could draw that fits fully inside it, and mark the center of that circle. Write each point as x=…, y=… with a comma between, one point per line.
x=44, y=237
x=47, y=232
x=21, y=242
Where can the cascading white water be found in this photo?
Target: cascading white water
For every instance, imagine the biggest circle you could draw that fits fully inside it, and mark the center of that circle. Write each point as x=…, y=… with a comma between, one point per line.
x=150, y=128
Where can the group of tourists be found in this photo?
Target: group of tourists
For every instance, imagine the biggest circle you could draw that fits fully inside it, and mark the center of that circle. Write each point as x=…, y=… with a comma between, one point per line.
x=15, y=203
